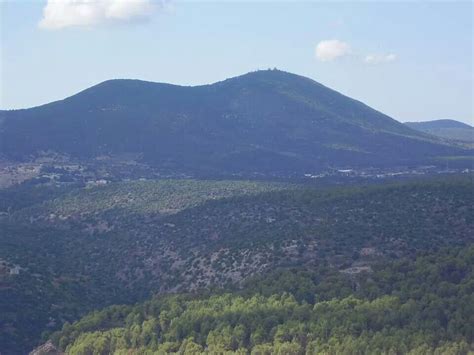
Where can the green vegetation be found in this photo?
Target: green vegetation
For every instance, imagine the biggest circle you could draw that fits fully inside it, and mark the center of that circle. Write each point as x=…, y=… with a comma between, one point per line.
x=67, y=267
x=86, y=249
x=418, y=307
x=149, y=197
x=26, y=195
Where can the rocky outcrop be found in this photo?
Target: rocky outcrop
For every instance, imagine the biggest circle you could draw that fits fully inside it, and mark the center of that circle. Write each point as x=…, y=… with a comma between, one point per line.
x=46, y=349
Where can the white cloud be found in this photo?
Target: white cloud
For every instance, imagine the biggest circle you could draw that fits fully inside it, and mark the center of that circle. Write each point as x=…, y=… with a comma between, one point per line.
x=58, y=14
x=379, y=58
x=329, y=50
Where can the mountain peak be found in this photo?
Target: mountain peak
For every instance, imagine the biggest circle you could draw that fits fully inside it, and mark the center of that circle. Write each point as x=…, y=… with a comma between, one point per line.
x=262, y=121
x=270, y=76
x=257, y=75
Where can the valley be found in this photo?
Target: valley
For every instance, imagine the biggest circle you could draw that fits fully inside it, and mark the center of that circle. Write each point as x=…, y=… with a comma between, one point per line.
x=73, y=172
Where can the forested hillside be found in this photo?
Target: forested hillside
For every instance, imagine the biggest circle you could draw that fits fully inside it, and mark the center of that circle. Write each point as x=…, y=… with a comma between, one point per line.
x=87, y=248
x=424, y=306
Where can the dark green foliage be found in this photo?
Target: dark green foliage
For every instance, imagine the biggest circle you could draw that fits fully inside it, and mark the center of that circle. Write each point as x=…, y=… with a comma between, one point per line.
x=27, y=195
x=421, y=306
x=265, y=122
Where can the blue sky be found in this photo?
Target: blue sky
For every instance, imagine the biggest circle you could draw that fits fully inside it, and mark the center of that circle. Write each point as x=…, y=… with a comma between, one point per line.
x=410, y=60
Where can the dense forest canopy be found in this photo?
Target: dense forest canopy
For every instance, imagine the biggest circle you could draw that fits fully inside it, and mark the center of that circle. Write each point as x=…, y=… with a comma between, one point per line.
x=425, y=306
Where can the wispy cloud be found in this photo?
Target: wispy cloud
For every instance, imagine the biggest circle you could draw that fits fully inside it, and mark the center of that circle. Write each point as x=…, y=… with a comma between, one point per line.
x=331, y=49
x=379, y=58
x=58, y=14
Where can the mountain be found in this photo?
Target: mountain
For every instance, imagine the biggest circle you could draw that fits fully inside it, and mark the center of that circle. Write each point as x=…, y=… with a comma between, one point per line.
x=449, y=129
x=264, y=121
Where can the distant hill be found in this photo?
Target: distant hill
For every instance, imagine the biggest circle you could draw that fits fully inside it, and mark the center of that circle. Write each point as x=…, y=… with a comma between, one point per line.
x=264, y=121
x=449, y=129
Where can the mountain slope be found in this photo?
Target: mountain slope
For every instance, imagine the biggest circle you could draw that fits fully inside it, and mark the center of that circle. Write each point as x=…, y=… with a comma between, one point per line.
x=263, y=121
x=449, y=129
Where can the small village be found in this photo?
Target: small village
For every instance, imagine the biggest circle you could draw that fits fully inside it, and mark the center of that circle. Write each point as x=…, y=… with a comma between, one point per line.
x=94, y=173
